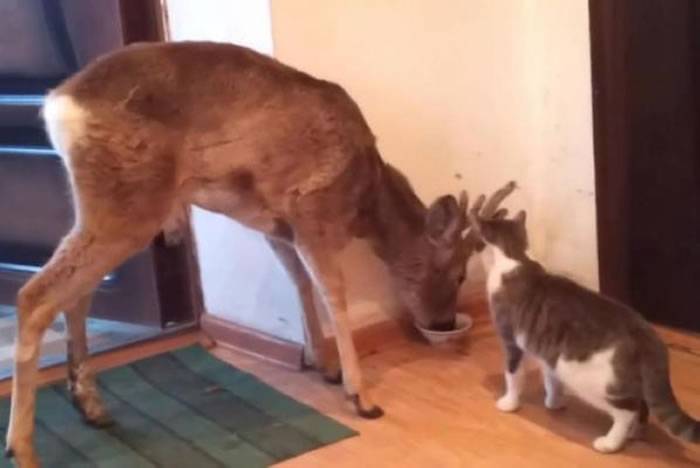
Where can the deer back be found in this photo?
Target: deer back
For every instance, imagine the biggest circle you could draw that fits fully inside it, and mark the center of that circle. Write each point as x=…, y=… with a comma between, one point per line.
x=225, y=118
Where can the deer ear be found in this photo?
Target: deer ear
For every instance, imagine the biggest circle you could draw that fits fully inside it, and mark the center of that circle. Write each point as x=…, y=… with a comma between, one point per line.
x=443, y=221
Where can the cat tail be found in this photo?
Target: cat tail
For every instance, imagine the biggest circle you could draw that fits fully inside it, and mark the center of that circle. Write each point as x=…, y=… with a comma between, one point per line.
x=656, y=386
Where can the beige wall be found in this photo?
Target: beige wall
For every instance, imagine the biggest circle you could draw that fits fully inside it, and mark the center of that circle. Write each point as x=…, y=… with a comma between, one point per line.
x=467, y=93
x=242, y=280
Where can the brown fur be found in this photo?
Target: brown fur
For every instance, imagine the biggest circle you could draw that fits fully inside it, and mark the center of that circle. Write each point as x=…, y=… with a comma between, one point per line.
x=163, y=126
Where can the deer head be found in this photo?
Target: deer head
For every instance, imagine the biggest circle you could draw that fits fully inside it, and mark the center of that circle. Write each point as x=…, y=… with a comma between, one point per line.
x=430, y=275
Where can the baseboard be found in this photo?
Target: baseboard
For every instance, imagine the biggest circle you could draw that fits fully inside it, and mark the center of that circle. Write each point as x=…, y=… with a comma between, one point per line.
x=248, y=340
x=685, y=341
x=372, y=338
x=390, y=331
x=368, y=339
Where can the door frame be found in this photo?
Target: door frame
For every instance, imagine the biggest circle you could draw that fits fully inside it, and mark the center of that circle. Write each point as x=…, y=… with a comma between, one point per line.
x=645, y=61
x=610, y=130
x=176, y=267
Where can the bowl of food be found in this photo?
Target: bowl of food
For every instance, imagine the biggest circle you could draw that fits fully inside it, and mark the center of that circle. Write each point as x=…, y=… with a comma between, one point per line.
x=463, y=323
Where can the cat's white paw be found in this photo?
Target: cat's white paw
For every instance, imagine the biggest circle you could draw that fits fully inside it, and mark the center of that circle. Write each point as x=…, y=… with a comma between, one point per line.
x=508, y=403
x=554, y=402
x=605, y=445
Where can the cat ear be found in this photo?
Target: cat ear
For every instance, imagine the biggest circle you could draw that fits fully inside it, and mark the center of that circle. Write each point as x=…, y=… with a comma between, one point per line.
x=520, y=217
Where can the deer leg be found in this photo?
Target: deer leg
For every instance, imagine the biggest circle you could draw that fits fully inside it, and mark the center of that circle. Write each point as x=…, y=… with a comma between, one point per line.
x=249, y=209
x=81, y=379
x=75, y=269
x=327, y=275
x=314, y=350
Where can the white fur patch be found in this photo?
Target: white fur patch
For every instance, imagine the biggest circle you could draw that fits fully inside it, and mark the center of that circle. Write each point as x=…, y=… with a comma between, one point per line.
x=515, y=384
x=589, y=379
x=65, y=121
x=499, y=265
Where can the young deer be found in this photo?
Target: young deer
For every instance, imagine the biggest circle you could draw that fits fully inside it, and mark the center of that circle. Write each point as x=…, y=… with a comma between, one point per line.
x=151, y=129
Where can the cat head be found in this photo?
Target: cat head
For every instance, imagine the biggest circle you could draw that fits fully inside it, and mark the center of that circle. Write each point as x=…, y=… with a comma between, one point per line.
x=507, y=235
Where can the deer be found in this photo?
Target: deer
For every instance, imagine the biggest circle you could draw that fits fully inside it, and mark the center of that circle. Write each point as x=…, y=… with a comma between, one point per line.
x=151, y=129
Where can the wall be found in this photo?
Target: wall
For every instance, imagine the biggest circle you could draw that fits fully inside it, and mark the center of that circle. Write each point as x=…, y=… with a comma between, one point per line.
x=469, y=94
x=461, y=94
x=244, y=22
x=242, y=281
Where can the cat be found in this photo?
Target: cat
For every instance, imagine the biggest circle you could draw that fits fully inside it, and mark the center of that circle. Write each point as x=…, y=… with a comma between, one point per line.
x=601, y=350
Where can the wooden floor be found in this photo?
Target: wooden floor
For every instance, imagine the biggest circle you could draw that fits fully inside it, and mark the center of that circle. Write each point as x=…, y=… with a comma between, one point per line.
x=440, y=412
x=440, y=409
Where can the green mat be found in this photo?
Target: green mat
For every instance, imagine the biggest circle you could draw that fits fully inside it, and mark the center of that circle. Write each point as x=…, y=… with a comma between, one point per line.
x=179, y=409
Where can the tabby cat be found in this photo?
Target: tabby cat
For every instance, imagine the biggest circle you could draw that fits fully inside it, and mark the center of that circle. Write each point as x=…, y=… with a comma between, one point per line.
x=601, y=350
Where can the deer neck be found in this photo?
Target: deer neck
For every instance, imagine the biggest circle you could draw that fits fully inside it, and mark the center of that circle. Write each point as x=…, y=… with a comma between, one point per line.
x=398, y=216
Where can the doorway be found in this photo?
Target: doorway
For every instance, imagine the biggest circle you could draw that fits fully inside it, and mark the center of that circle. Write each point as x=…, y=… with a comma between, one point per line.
x=646, y=103
x=41, y=43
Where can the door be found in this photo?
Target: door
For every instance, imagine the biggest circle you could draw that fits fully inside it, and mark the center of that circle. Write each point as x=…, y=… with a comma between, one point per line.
x=42, y=42
x=646, y=81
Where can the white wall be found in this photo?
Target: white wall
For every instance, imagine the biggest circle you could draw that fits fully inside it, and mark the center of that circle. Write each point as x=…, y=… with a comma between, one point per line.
x=461, y=93
x=469, y=94
x=241, y=278
x=244, y=22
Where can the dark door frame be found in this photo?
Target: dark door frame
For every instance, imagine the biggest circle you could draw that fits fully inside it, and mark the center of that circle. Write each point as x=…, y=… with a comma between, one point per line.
x=176, y=267
x=607, y=28
x=645, y=58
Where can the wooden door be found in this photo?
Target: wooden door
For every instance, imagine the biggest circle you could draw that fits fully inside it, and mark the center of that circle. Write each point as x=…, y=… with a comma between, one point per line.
x=646, y=85
x=42, y=42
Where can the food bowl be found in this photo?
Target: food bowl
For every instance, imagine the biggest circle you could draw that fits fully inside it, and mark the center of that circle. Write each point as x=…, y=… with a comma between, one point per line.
x=463, y=323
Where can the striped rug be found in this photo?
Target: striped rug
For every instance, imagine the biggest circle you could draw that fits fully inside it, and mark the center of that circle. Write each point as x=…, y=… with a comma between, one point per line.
x=180, y=409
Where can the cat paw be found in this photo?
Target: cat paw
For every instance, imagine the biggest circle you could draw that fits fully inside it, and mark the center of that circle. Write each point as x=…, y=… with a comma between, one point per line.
x=605, y=445
x=508, y=404
x=554, y=403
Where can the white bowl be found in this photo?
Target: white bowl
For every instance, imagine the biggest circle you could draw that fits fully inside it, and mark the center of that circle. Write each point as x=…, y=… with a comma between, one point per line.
x=463, y=323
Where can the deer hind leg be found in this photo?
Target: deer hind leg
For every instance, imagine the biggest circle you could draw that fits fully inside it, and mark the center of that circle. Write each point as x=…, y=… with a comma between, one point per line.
x=326, y=273
x=81, y=379
x=315, y=353
x=74, y=270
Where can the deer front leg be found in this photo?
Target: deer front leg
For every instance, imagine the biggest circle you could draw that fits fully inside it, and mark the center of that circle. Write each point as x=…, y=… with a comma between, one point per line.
x=81, y=380
x=315, y=353
x=328, y=276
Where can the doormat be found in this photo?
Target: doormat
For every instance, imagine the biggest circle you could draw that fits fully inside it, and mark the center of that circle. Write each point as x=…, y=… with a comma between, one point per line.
x=179, y=409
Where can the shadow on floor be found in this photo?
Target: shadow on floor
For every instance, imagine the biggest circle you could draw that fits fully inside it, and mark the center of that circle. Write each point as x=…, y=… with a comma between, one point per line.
x=581, y=424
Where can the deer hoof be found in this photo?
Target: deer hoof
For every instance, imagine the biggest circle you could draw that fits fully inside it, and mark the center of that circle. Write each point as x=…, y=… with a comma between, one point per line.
x=99, y=422
x=334, y=377
x=373, y=412
x=93, y=413
x=24, y=458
